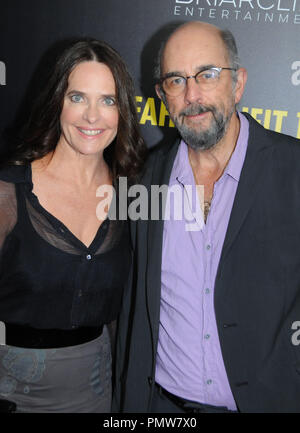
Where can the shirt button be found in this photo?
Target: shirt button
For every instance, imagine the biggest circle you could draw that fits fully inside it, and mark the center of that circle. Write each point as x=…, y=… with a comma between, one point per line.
x=207, y=291
x=208, y=247
x=207, y=336
x=88, y=257
x=209, y=382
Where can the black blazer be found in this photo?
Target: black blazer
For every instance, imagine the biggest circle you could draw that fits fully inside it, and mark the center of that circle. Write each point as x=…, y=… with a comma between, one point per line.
x=257, y=288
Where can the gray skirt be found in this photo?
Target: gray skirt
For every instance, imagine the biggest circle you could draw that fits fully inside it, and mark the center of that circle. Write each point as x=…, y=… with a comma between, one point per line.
x=69, y=379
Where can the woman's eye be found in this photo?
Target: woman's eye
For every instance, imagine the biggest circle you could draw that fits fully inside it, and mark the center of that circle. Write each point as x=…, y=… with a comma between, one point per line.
x=76, y=98
x=109, y=101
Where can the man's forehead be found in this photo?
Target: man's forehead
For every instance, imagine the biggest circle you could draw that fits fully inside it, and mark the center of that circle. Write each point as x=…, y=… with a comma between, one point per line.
x=195, y=31
x=192, y=47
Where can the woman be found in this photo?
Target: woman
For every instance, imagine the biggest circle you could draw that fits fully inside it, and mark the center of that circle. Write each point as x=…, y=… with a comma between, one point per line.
x=61, y=269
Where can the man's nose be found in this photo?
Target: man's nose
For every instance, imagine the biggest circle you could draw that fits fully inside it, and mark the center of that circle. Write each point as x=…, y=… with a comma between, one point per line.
x=193, y=91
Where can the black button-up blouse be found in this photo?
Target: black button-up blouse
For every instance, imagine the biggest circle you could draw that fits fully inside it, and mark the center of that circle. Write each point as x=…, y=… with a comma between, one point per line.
x=48, y=278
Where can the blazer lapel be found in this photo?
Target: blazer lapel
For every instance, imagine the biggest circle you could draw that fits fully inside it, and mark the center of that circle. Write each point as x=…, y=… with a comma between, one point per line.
x=248, y=184
x=161, y=175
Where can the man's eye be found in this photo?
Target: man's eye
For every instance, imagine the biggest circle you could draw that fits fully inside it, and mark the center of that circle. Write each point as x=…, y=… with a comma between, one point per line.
x=76, y=98
x=109, y=101
x=177, y=81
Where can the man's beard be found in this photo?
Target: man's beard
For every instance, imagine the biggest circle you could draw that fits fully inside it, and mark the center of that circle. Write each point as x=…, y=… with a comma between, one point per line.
x=203, y=140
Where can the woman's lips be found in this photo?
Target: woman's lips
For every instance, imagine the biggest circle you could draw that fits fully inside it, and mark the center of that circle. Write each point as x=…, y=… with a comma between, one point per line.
x=89, y=133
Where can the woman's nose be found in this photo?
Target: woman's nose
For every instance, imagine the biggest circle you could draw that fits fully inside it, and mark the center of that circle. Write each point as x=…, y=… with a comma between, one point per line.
x=91, y=113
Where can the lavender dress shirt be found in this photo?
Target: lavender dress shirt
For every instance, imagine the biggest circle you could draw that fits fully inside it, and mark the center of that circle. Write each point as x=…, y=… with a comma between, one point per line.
x=189, y=361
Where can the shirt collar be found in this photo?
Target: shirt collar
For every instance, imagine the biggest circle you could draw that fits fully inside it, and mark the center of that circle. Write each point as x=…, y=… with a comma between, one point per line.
x=182, y=170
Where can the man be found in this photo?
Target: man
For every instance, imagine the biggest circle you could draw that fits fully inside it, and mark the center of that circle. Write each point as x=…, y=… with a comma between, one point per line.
x=210, y=322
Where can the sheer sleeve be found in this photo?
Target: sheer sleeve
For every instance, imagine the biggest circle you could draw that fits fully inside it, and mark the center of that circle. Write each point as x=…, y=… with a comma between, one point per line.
x=8, y=210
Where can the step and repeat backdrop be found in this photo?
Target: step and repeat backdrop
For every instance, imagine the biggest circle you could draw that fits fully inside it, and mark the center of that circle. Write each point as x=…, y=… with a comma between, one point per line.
x=267, y=34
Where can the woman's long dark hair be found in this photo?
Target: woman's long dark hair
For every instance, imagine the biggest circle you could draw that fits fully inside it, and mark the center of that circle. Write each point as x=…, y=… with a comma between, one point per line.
x=41, y=133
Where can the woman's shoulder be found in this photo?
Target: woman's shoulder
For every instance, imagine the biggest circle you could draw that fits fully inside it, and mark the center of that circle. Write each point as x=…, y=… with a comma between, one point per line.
x=13, y=173
x=9, y=176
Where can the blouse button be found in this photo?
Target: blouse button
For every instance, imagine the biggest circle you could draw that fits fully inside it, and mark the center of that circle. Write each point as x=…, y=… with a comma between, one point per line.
x=88, y=257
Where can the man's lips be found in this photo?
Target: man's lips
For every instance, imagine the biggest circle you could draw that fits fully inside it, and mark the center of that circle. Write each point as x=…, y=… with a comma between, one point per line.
x=195, y=112
x=196, y=116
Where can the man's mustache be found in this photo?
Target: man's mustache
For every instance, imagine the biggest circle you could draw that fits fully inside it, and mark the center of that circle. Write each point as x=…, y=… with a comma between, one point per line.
x=195, y=109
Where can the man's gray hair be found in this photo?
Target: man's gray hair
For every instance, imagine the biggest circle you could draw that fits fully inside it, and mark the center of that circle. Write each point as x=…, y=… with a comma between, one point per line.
x=232, y=52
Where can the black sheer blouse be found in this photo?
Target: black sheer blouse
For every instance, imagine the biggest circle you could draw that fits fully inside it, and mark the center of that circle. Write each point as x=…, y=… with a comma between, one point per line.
x=48, y=278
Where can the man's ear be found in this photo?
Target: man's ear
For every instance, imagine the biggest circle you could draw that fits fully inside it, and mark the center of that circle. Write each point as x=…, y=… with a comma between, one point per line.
x=240, y=84
x=158, y=90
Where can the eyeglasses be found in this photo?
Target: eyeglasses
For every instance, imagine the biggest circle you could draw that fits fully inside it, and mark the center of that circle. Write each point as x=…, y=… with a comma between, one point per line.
x=174, y=85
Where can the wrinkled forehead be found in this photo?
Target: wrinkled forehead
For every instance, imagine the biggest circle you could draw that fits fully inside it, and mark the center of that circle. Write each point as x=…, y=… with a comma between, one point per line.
x=192, y=47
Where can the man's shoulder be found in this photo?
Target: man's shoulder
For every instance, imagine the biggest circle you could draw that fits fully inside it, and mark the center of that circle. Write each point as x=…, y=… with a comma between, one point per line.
x=275, y=140
x=281, y=152
x=163, y=148
x=280, y=139
x=159, y=155
x=285, y=146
